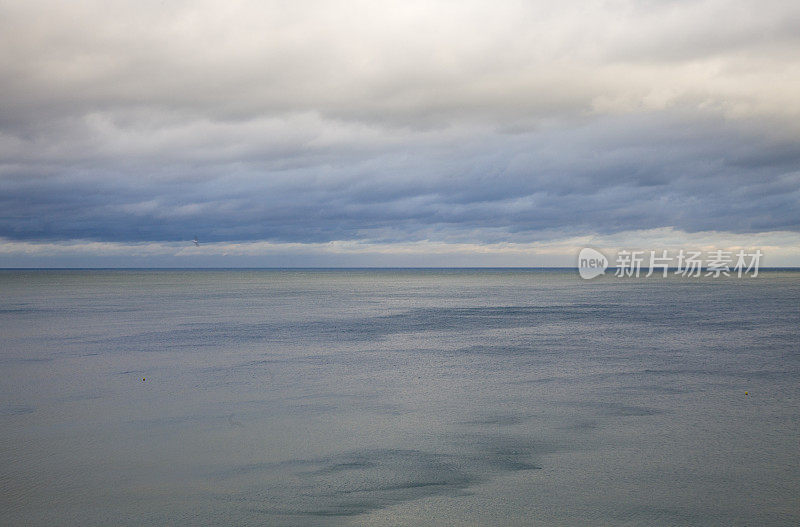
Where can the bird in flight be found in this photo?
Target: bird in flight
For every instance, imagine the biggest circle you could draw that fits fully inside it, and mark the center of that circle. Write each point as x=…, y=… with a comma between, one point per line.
x=196, y=242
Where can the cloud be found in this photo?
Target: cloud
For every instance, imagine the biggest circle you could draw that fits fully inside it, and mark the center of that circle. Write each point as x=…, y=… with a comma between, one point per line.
x=780, y=248
x=415, y=63
x=460, y=184
x=396, y=122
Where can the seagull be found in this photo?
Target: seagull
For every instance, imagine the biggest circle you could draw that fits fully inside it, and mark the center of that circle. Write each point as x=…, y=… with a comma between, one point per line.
x=196, y=242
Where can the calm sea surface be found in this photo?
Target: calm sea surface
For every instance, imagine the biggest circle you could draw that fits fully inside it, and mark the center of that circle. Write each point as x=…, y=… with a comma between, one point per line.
x=398, y=397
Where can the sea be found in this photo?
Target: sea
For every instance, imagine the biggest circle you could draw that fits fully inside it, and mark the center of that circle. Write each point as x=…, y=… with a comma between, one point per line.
x=372, y=397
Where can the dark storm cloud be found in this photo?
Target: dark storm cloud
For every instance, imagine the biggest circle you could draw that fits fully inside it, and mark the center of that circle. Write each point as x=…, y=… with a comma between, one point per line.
x=607, y=176
x=310, y=122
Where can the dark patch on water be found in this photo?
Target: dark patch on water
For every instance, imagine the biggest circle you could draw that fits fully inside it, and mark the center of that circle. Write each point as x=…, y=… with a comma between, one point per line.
x=469, y=319
x=25, y=360
x=581, y=425
x=611, y=409
x=10, y=410
x=499, y=420
x=353, y=483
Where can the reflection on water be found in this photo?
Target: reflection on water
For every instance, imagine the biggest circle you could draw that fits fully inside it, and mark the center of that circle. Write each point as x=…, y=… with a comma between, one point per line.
x=397, y=397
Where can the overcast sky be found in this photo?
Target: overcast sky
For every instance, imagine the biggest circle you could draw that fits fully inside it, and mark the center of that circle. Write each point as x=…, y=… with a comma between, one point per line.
x=395, y=133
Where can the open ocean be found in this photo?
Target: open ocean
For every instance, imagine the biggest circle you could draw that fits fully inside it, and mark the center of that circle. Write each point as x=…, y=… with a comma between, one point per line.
x=398, y=397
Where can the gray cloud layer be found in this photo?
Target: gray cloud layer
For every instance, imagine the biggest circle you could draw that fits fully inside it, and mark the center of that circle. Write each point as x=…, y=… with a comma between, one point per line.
x=463, y=122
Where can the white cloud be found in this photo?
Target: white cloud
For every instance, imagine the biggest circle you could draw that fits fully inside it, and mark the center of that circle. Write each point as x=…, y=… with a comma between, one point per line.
x=418, y=63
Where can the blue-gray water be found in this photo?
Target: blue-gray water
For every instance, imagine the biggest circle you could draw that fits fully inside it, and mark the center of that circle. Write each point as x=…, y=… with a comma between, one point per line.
x=398, y=397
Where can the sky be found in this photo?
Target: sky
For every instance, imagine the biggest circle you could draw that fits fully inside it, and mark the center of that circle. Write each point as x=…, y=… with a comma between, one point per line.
x=459, y=133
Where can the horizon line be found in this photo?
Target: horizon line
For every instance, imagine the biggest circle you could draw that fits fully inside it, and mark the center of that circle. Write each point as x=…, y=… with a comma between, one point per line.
x=342, y=268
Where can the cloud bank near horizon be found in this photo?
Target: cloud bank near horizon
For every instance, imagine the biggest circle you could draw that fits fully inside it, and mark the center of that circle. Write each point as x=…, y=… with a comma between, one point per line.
x=469, y=124
x=780, y=249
